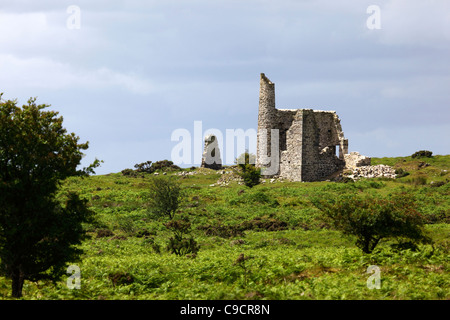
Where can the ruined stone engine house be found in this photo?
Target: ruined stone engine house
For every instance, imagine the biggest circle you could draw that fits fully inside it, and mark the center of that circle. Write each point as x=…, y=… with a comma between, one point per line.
x=310, y=143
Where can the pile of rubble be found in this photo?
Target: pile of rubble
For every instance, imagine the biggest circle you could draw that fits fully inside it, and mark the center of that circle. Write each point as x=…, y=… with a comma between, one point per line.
x=380, y=170
x=227, y=177
x=186, y=173
x=195, y=171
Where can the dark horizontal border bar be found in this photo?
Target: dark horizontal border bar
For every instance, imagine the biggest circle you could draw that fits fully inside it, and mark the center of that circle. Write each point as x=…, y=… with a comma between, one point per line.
x=222, y=309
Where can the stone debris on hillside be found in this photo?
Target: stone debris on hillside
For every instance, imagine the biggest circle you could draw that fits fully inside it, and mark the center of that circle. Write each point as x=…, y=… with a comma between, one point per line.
x=226, y=177
x=186, y=173
x=356, y=172
x=380, y=170
x=230, y=175
x=200, y=170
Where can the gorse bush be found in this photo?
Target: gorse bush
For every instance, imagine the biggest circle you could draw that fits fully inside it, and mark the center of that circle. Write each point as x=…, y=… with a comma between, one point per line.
x=422, y=154
x=371, y=218
x=144, y=167
x=150, y=167
x=165, y=165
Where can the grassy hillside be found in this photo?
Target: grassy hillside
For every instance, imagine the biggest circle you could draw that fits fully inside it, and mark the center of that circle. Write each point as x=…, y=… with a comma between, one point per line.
x=293, y=253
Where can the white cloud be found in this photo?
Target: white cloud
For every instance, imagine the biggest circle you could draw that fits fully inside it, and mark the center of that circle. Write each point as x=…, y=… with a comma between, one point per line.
x=415, y=22
x=48, y=74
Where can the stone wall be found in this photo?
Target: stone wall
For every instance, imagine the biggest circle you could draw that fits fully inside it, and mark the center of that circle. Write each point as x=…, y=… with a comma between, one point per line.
x=354, y=159
x=311, y=144
x=211, y=154
x=291, y=156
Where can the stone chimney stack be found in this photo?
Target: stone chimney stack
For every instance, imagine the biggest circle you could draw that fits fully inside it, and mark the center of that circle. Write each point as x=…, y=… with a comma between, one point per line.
x=266, y=117
x=266, y=94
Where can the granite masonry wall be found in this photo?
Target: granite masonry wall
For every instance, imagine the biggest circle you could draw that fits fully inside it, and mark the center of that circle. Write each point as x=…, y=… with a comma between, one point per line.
x=311, y=144
x=211, y=153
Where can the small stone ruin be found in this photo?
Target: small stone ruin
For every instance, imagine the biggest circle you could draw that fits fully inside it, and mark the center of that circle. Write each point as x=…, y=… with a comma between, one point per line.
x=211, y=154
x=354, y=160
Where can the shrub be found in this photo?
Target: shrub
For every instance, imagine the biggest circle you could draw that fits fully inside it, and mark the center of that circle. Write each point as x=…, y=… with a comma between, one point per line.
x=164, y=165
x=149, y=167
x=371, y=219
x=164, y=196
x=401, y=173
x=422, y=154
x=248, y=172
x=129, y=172
x=178, y=244
x=144, y=167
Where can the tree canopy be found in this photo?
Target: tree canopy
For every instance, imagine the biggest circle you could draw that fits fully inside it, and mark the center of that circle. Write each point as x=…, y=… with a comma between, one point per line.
x=38, y=234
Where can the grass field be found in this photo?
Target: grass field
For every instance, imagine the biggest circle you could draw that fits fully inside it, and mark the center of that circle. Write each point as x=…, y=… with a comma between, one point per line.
x=292, y=253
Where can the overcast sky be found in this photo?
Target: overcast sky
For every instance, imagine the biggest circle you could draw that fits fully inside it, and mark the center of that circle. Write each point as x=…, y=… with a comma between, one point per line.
x=135, y=71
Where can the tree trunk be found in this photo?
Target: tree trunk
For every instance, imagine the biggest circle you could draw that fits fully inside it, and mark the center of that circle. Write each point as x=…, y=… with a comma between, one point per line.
x=17, y=284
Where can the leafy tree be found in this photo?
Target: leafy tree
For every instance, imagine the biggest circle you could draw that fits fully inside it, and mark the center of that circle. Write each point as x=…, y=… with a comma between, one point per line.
x=38, y=234
x=371, y=218
x=164, y=196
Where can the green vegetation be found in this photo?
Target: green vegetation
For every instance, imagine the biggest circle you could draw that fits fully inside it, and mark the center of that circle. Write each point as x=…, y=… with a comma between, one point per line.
x=371, y=218
x=422, y=154
x=38, y=233
x=265, y=242
x=164, y=197
x=248, y=172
